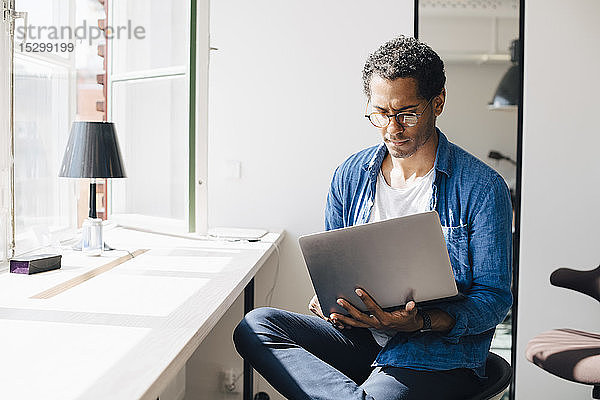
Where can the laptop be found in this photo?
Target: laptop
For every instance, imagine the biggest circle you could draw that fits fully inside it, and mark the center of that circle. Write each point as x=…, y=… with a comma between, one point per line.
x=394, y=261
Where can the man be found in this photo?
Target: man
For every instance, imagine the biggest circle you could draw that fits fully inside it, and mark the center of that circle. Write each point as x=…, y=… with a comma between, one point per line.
x=436, y=353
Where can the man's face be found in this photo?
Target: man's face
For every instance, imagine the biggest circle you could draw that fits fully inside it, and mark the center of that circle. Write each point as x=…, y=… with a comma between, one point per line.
x=400, y=95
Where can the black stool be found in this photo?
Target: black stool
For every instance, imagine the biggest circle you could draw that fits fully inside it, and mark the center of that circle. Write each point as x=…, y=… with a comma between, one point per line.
x=499, y=374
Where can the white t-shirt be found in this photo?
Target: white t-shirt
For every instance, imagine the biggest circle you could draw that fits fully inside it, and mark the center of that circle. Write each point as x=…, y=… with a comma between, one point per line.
x=392, y=203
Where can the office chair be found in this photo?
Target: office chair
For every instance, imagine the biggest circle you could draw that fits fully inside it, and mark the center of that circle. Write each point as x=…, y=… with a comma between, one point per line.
x=568, y=353
x=499, y=374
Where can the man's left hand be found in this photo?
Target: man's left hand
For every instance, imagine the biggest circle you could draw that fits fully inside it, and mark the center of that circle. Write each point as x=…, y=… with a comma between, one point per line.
x=402, y=320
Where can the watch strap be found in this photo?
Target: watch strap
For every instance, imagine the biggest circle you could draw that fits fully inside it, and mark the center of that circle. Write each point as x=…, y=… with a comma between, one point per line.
x=426, y=321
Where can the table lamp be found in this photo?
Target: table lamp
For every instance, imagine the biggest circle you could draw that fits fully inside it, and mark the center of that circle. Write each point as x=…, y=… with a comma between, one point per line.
x=92, y=152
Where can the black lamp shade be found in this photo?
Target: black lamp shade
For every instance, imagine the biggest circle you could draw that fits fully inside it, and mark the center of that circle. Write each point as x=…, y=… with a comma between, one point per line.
x=507, y=93
x=92, y=152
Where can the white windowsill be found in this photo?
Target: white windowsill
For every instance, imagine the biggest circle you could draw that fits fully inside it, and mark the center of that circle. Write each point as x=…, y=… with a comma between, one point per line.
x=149, y=223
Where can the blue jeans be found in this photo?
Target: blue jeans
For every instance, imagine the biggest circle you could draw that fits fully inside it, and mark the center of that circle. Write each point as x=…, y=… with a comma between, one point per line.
x=306, y=358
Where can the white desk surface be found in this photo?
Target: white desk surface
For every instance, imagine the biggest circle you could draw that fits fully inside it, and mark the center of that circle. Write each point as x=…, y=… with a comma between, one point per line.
x=125, y=333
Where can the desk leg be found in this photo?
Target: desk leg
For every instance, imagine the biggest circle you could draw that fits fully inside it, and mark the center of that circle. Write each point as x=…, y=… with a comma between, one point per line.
x=248, y=372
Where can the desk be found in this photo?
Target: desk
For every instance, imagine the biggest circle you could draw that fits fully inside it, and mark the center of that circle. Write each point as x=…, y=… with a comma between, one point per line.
x=125, y=333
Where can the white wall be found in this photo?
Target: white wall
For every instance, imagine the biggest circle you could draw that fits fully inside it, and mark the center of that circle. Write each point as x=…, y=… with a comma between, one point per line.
x=560, y=190
x=286, y=102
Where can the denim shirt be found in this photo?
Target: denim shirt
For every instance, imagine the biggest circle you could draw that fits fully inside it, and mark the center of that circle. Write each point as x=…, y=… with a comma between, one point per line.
x=475, y=211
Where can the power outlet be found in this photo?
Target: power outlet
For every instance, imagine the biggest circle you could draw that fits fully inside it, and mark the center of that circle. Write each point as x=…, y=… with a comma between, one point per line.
x=230, y=380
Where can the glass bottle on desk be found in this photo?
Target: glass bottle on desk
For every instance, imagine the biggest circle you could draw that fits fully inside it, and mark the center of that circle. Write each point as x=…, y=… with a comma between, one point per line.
x=92, y=243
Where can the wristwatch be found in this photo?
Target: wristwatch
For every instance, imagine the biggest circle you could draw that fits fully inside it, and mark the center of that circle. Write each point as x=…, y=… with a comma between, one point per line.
x=426, y=321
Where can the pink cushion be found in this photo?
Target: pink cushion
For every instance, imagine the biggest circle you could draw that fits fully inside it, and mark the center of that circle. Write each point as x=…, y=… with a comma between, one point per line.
x=567, y=353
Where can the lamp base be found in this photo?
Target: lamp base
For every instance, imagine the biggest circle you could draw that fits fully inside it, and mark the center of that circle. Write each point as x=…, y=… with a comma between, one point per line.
x=91, y=237
x=77, y=246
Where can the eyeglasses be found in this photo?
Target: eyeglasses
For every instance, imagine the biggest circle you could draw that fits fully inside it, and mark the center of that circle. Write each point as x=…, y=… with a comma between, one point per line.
x=403, y=119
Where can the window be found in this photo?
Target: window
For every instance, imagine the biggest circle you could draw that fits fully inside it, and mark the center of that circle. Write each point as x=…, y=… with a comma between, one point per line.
x=6, y=230
x=140, y=79
x=149, y=102
x=44, y=204
x=51, y=90
x=44, y=106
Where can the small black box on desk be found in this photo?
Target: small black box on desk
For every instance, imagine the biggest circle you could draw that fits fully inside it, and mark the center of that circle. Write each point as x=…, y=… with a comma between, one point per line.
x=34, y=264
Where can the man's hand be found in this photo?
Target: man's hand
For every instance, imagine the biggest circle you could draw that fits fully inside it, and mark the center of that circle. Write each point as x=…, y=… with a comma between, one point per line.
x=403, y=320
x=315, y=307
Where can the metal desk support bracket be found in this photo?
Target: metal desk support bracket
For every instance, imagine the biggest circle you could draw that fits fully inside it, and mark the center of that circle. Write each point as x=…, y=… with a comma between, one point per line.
x=248, y=372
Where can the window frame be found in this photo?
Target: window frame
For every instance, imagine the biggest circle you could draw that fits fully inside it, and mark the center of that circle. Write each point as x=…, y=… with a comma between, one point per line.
x=7, y=199
x=195, y=219
x=23, y=242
